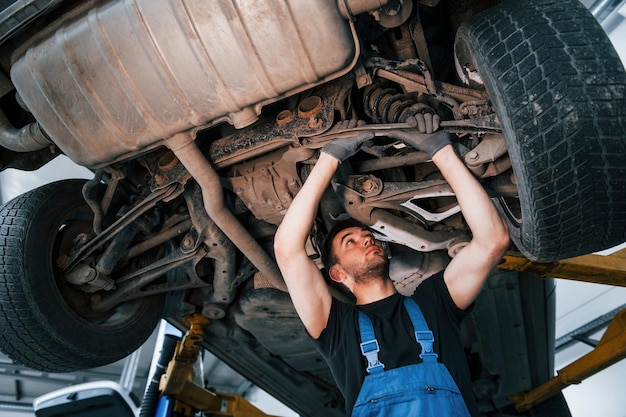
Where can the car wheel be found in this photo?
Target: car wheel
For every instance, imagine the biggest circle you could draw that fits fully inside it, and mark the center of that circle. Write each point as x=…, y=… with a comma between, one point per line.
x=559, y=90
x=45, y=322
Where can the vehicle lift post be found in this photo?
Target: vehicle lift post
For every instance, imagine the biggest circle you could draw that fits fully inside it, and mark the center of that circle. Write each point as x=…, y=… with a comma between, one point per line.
x=611, y=348
x=177, y=381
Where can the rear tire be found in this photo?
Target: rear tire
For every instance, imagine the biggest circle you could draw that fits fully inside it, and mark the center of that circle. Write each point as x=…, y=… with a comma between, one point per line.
x=559, y=90
x=46, y=323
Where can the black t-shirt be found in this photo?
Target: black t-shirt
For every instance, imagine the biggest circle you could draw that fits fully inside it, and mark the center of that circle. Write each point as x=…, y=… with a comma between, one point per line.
x=339, y=342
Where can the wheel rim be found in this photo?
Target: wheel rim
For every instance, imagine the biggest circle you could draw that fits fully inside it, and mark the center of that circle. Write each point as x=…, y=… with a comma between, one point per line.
x=512, y=209
x=74, y=225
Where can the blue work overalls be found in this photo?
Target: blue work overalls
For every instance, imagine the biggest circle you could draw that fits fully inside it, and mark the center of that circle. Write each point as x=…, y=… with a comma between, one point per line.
x=424, y=389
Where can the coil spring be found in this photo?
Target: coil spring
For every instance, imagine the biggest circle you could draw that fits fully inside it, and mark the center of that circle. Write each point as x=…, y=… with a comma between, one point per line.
x=385, y=104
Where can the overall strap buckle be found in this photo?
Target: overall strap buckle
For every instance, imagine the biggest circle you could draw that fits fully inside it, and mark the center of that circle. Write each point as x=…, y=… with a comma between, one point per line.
x=423, y=334
x=370, y=350
x=369, y=346
x=426, y=340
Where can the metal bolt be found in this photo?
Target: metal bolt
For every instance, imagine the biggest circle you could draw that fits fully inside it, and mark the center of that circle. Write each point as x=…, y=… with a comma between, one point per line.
x=315, y=123
x=368, y=185
x=472, y=155
x=392, y=8
x=187, y=242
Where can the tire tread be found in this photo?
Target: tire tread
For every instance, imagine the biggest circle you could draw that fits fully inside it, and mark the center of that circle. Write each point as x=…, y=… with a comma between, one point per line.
x=563, y=88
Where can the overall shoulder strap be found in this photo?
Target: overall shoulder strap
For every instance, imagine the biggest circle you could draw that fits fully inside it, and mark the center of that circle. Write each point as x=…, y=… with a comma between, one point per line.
x=423, y=335
x=369, y=344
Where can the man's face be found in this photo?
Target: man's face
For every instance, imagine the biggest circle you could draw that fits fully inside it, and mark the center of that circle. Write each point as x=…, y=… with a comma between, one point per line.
x=360, y=255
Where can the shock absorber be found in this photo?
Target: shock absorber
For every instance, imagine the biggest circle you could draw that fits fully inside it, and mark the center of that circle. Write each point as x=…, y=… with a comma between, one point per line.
x=385, y=104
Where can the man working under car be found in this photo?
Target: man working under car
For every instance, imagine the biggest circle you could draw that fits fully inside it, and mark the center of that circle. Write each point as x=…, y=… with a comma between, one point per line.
x=356, y=260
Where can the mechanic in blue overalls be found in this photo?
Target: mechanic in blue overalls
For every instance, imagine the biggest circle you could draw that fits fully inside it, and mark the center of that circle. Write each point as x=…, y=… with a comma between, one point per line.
x=391, y=355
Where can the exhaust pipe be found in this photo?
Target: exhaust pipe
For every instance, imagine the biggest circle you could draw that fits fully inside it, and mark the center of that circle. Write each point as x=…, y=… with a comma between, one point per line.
x=183, y=146
x=26, y=139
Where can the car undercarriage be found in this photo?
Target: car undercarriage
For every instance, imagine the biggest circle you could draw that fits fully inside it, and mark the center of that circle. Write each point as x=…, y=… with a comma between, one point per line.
x=200, y=122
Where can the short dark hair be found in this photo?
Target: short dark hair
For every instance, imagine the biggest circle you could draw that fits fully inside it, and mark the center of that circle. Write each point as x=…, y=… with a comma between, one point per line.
x=328, y=254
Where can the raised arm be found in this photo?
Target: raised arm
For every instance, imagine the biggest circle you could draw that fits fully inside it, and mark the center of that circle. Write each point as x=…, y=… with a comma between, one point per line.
x=468, y=270
x=307, y=287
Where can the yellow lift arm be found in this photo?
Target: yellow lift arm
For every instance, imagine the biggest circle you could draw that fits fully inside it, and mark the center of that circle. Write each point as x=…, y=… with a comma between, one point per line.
x=610, y=270
x=610, y=350
x=177, y=380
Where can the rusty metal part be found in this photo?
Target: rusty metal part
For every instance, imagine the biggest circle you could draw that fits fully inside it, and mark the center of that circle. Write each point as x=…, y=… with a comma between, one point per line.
x=190, y=156
x=476, y=108
x=489, y=158
x=94, y=203
x=481, y=125
x=610, y=349
x=141, y=283
x=383, y=67
x=116, y=250
x=220, y=249
x=89, y=279
x=267, y=185
x=116, y=175
x=394, y=13
x=168, y=232
x=365, y=185
x=418, y=83
x=351, y=8
x=394, y=161
x=108, y=234
x=385, y=104
x=100, y=206
x=255, y=141
x=378, y=130
x=284, y=117
x=392, y=195
x=98, y=278
x=419, y=40
x=609, y=270
x=167, y=171
x=392, y=228
x=402, y=44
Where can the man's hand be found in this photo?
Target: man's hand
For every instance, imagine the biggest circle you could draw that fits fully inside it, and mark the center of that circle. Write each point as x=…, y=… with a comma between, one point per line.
x=342, y=149
x=425, y=122
x=423, y=139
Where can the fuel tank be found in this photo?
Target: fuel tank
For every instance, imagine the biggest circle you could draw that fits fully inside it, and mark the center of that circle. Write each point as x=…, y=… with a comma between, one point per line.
x=119, y=78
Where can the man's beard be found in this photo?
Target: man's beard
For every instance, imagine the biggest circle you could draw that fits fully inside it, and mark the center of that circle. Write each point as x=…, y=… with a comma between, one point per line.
x=365, y=272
